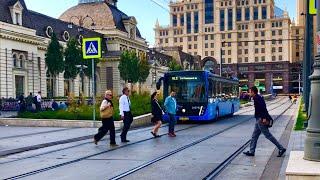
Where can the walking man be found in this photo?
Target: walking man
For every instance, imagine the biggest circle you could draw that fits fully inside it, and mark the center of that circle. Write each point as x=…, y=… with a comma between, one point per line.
x=171, y=107
x=262, y=124
x=125, y=113
x=106, y=114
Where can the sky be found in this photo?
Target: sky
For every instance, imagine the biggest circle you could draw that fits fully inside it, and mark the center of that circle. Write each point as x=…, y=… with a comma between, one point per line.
x=145, y=11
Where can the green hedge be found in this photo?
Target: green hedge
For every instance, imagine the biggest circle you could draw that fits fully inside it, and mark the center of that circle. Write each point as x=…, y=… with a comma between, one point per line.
x=302, y=117
x=140, y=104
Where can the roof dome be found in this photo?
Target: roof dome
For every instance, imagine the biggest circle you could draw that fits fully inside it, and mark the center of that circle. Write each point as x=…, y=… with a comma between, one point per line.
x=104, y=14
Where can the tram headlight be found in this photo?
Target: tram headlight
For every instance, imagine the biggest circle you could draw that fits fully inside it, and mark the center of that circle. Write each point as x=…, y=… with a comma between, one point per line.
x=183, y=110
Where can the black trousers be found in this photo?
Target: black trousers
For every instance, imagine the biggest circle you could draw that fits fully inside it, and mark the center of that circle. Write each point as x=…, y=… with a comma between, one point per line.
x=107, y=125
x=128, y=119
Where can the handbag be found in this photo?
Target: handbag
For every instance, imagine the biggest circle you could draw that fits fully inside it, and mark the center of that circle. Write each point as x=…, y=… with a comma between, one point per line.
x=269, y=121
x=107, y=113
x=160, y=108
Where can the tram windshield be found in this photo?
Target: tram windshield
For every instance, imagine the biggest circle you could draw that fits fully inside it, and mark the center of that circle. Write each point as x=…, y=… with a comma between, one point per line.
x=188, y=88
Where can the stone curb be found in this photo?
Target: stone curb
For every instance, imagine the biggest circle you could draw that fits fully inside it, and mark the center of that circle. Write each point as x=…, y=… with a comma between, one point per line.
x=138, y=121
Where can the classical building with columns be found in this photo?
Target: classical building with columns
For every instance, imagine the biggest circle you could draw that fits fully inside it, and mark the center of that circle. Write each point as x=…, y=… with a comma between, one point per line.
x=119, y=31
x=251, y=38
x=25, y=35
x=24, y=38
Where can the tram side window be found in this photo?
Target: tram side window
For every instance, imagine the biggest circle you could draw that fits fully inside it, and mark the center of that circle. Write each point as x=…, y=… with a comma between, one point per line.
x=211, y=89
x=218, y=89
x=227, y=90
x=235, y=91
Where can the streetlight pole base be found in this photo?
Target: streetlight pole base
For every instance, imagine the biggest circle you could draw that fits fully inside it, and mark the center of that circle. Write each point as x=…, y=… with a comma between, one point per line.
x=312, y=141
x=312, y=147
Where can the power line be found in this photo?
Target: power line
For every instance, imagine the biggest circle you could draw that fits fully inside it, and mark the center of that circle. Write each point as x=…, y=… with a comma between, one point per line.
x=160, y=5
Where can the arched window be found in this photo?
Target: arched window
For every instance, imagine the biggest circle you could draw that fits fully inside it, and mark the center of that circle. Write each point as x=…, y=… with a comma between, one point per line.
x=14, y=56
x=20, y=61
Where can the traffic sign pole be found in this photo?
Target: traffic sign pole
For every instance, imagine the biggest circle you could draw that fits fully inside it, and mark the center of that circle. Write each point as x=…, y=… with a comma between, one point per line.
x=93, y=92
x=91, y=50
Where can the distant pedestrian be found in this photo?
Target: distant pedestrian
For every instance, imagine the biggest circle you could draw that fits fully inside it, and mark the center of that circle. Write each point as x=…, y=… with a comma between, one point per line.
x=125, y=113
x=263, y=120
x=170, y=105
x=106, y=114
x=38, y=100
x=290, y=98
x=22, y=103
x=157, y=113
x=295, y=98
x=54, y=105
x=29, y=101
x=62, y=106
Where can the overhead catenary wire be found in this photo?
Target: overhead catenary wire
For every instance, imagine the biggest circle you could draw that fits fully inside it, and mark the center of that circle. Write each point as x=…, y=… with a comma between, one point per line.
x=160, y=5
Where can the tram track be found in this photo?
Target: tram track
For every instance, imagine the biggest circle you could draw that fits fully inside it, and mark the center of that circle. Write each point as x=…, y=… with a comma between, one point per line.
x=142, y=166
x=137, y=142
x=25, y=149
x=37, y=133
x=39, y=146
x=216, y=171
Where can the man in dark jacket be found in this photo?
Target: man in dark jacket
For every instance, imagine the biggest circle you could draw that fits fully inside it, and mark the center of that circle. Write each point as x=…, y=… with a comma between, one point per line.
x=262, y=124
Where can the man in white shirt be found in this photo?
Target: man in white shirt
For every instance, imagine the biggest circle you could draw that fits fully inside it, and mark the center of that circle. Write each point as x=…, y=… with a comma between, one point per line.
x=125, y=113
x=38, y=103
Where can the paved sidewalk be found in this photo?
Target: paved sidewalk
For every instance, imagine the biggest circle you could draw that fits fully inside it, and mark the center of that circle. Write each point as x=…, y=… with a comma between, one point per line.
x=6, y=114
x=296, y=143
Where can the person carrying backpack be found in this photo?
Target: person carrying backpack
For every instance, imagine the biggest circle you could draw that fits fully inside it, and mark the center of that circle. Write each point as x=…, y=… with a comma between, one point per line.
x=263, y=122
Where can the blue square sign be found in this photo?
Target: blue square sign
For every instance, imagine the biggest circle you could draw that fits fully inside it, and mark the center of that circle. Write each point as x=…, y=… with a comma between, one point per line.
x=91, y=48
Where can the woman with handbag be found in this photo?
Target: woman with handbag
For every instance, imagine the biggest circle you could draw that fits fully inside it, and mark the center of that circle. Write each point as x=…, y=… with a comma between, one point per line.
x=106, y=114
x=157, y=113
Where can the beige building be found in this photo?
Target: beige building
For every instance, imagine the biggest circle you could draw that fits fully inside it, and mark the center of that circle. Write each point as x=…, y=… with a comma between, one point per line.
x=120, y=33
x=250, y=37
x=25, y=35
x=24, y=38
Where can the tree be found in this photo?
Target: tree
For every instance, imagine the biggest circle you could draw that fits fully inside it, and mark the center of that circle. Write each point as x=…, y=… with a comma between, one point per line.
x=144, y=71
x=73, y=57
x=54, y=59
x=129, y=67
x=174, y=66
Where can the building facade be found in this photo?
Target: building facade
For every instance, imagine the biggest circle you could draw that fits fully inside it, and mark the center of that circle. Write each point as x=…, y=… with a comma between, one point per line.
x=251, y=38
x=24, y=38
x=119, y=31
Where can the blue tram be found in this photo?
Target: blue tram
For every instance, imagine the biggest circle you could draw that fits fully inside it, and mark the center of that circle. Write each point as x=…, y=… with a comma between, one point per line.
x=201, y=95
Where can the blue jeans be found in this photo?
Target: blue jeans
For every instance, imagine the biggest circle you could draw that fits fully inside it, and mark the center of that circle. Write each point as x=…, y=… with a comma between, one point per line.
x=172, y=122
x=258, y=129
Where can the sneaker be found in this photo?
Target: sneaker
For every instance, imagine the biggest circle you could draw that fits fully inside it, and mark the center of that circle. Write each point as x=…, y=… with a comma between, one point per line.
x=171, y=135
x=174, y=134
x=248, y=153
x=125, y=141
x=281, y=152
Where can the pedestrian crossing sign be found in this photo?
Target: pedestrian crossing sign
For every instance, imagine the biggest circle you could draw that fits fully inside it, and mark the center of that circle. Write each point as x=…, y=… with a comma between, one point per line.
x=91, y=48
x=313, y=7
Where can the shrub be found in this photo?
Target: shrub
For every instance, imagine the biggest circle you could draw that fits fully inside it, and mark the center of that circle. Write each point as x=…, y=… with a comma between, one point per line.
x=140, y=105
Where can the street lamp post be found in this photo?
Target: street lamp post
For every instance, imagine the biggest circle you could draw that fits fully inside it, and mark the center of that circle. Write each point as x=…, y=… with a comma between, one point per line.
x=312, y=141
